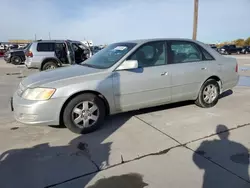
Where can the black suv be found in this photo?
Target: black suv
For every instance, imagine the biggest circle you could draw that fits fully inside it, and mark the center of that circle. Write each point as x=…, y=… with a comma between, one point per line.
x=230, y=49
x=245, y=50
x=16, y=56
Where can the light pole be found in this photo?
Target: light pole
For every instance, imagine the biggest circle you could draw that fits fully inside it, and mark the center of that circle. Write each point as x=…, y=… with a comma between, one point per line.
x=196, y=5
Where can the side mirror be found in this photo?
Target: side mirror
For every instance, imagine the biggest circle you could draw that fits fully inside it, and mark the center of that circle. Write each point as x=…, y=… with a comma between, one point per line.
x=128, y=64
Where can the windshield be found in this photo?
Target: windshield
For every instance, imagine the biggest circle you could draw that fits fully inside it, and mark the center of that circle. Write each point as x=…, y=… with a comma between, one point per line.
x=110, y=55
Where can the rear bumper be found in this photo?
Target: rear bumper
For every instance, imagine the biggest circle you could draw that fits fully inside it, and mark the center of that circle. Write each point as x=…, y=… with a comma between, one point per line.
x=37, y=112
x=31, y=64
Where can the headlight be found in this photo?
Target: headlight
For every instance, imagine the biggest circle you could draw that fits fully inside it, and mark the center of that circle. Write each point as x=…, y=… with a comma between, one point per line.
x=38, y=93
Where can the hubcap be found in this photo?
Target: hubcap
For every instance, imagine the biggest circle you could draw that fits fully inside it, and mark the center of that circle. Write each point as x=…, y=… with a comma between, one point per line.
x=50, y=67
x=85, y=114
x=210, y=93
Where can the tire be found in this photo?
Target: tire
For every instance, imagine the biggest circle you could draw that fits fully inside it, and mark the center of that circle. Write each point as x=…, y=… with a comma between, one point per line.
x=201, y=102
x=76, y=103
x=16, y=60
x=49, y=65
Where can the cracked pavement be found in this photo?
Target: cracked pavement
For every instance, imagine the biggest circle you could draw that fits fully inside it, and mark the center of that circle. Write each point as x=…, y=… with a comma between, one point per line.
x=177, y=145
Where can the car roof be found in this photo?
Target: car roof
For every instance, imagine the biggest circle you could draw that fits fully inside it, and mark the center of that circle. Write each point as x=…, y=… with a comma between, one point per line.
x=141, y=41
x=46, y=41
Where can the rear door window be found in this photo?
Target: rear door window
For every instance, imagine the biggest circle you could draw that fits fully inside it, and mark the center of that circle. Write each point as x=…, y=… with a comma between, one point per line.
x=184, y=52
x=45, y=47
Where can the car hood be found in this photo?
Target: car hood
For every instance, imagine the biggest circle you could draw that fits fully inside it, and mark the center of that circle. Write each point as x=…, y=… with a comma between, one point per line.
x=62, y=73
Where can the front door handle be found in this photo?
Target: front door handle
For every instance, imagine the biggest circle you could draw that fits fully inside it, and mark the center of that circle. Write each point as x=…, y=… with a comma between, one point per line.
x=203, y=68
x=164, y=74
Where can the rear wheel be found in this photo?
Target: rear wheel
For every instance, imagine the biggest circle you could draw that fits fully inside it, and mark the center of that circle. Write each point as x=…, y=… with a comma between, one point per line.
x=209, y=94
x=84, y=114
x=16, y=60
x=49, y=65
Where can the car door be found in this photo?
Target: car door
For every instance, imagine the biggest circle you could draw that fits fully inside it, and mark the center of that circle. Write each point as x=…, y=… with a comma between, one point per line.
x=70, y=52
x=147, y=85
x=188, y=70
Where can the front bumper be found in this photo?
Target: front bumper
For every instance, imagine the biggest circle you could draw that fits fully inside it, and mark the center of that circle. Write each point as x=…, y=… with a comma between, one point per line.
x=37, y=112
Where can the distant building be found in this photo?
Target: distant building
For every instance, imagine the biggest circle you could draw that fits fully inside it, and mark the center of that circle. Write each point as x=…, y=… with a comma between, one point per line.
x=19, y=41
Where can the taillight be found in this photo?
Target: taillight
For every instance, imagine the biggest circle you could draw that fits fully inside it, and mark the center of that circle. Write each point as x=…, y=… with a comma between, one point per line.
x=29, y=54
x=236, y=67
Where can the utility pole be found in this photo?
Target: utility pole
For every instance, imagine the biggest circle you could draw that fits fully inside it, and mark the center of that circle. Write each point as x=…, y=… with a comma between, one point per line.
x=196, y=5
x=49, y=36
x=35, y=36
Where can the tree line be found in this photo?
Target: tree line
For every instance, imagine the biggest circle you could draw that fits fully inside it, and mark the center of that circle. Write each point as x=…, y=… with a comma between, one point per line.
x=238, y=42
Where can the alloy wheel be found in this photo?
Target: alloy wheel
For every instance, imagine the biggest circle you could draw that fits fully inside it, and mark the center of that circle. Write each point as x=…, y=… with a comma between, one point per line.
x=85, y=114
x=210, y=93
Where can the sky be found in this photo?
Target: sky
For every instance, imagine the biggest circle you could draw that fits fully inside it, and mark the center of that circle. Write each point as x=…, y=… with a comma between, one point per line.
x=107, y=21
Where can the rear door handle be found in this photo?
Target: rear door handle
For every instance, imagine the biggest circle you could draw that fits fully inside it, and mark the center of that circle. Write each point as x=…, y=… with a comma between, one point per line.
x=203, y=68
x=164, y=74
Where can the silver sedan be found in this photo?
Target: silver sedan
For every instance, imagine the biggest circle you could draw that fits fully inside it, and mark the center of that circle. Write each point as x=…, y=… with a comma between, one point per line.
x=122, y=77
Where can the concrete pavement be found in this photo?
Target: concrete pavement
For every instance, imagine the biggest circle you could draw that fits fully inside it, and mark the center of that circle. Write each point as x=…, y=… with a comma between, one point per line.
x=161, y=147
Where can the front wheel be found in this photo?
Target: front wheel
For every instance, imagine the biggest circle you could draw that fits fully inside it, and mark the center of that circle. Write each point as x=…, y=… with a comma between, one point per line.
x=84, y=114
x=209, y=94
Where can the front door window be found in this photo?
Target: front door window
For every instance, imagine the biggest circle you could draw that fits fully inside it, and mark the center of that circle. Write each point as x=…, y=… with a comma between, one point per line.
x=150, y=54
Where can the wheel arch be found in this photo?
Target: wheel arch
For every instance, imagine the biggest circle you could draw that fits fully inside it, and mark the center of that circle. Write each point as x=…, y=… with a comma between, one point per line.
x=217, y=79
x=102, y=97
x=214, y=77
x=50, y=59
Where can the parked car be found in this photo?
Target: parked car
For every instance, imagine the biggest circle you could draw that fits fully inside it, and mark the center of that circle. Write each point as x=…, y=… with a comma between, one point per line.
x=16, y=56
x=13, y=46
x=122, y=77
x=230, y=49
x=81, y=51
x=2, y=47
x=245, y=50
x=50, y=54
